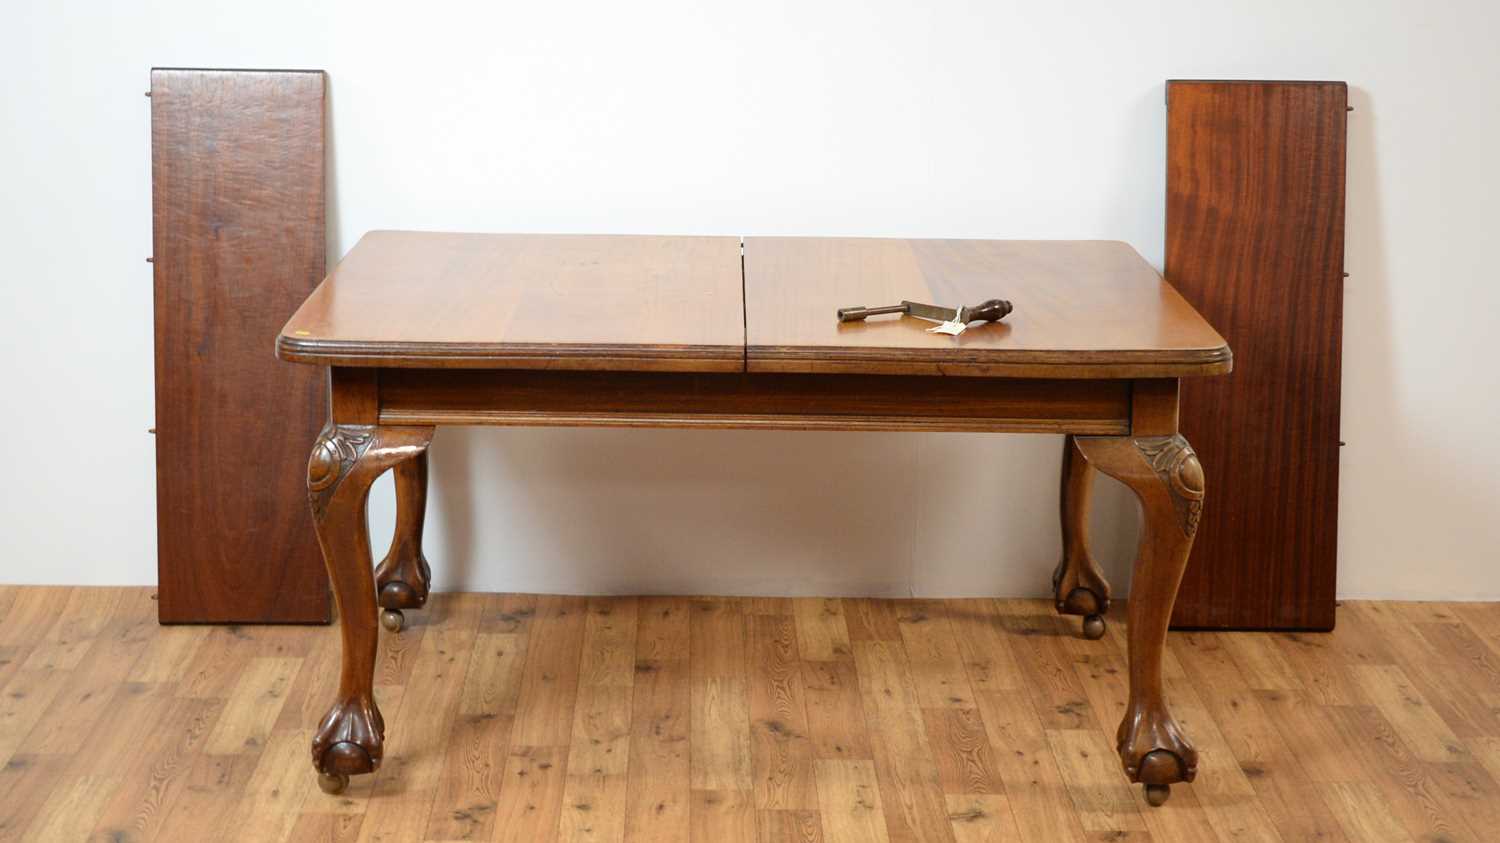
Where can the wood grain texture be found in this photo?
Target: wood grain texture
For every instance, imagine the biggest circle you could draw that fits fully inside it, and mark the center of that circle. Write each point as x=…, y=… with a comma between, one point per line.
x=1255, y=241
x=407, y=298
x=910, y=782
x=782, y=752
x=435, y=300
x=849, y=795
x=238, y=242
x=1402, y=758
x=657, y=798
x=1082, y=309
x=719, y=739
x=767, y=401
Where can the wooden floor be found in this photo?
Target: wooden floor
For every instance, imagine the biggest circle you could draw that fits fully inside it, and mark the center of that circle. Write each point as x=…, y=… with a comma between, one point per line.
x=660, y=719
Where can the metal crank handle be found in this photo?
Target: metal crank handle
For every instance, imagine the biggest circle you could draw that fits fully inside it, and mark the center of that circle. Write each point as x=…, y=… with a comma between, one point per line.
x=858, y=314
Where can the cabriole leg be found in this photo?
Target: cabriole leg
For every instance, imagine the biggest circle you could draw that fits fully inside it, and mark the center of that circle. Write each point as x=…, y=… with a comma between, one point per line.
x=345, y=460
x=1078, y=583
x=1166, y=477
x=403, y=577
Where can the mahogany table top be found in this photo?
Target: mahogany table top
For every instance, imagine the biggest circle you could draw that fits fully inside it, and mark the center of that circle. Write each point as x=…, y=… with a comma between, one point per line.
x=1091, y=309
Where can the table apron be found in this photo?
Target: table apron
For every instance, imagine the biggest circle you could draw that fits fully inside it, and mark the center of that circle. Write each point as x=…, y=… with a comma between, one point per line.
x=765, y=401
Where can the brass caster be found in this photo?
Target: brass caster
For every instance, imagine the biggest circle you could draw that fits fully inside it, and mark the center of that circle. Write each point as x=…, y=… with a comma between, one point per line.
x=392, y=619
x=1156, y=794
x=1093, y=627
x=333, y=783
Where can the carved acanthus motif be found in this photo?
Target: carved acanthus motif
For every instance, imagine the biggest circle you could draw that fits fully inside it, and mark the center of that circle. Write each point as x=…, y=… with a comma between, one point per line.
x=337, y=449
x=1177, y=465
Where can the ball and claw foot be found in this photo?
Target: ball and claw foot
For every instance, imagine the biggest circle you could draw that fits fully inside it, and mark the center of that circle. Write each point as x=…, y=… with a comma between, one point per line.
x=1158, y=770
x=349, y=742
x=1088, y=603
x=1093, y=627
x=395, y=596
x=393, y=620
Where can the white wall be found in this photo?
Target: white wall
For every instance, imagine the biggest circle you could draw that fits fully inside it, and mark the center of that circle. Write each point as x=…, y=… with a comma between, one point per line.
x=945, y=119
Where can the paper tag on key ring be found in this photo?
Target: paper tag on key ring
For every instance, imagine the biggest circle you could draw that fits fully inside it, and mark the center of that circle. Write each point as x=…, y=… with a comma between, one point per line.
x=953, y=327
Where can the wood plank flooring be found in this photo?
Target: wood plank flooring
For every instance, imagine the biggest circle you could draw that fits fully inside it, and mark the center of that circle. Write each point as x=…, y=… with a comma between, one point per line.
x=532, y=718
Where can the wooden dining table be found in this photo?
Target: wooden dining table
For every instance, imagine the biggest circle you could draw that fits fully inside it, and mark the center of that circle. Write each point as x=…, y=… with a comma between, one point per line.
x=420, y=329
